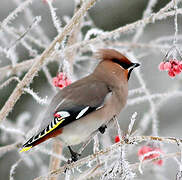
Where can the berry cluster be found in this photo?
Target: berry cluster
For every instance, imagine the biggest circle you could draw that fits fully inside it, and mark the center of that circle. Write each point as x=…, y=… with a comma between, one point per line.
x=173, y=67
x=143, y=151
x=61, y=80
x=147, y=149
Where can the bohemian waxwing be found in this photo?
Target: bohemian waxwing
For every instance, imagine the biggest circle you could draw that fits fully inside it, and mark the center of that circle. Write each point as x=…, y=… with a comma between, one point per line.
x=84, y=106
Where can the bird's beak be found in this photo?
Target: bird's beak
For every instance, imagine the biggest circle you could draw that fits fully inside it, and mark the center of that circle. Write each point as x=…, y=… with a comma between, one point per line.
x=135, y=65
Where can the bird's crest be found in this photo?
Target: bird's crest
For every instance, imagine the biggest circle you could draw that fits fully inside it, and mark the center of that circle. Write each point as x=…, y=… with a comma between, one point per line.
x=113, y=55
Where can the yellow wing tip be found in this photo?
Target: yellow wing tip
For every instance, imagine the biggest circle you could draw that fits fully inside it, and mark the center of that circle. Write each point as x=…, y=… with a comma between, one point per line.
x=25, y=149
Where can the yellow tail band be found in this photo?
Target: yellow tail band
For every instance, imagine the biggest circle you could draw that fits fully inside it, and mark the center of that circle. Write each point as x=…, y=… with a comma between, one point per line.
x=26, y=149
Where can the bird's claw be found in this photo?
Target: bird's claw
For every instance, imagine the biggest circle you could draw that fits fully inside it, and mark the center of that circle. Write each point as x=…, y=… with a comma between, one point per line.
x=74, y=155
x=74, y=158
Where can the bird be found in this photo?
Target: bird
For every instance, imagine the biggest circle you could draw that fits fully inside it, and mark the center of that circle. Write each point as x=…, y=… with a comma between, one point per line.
x=81, y=108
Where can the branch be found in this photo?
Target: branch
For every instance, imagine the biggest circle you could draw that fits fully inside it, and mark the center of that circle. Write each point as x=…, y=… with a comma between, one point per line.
x=73, y=38
x=23, y=66
x=8, y=81
x=131, y=140
x=54, y=161
x=147, y=12
x=10, y=147
x=20, y=67
x=12, y=15
x=127, y=28
x=40, y=61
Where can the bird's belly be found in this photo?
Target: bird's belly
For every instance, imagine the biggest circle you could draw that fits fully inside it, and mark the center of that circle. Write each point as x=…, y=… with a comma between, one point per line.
x=80, y=130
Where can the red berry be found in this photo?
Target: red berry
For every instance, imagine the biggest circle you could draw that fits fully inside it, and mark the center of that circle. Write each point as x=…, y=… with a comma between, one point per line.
x=171, y=73
x=117, y=139
x=146, y=149
x=161, y=66
x=176, y=69
x=180, y=65
x=61, y=80
x=167, y=66
x=174, y=62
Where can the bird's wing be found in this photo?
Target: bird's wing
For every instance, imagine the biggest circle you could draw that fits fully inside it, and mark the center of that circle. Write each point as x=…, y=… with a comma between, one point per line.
x=70, y=104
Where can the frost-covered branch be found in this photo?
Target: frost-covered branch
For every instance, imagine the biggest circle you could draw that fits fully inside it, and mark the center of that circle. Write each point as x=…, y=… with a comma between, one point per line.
x=131, y=140
x=13, y=168
x=147, y=12
x=56, y=21
x=162, y=14
x=14, y=14
x=54, y=161
x=35, y=96
x=4, y=84
x=84, y=44
x=40, y=61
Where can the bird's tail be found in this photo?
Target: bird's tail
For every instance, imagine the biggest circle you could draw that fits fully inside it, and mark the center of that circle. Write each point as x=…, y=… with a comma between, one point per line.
x=28, y=145
x=50, y=131
x=35, y=140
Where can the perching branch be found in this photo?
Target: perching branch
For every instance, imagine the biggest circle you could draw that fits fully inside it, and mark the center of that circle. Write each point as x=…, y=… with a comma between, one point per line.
x=131, y=140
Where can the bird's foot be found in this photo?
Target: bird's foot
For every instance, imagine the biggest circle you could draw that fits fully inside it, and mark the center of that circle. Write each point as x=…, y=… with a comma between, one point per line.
x=74, y=156
x=102, y=129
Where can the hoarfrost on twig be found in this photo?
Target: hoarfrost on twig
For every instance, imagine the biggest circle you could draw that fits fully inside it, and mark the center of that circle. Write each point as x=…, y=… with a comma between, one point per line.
x=56, y=21
x=35, y=96
x=14, y=14
x=13, y=168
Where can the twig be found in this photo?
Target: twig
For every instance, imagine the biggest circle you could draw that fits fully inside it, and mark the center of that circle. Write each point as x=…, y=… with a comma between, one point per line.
x=19, y=67
x=10, y=147
x=49, y=77
x=13, y=168
x=141, y=99
x=72, y=39
x=23, y=35
x=147, y=12
x=40, y=100
x=40, y=61
x=8, y=81
x=55, y=162
x=12, y=16
x=175, y=22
